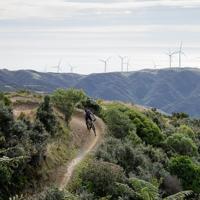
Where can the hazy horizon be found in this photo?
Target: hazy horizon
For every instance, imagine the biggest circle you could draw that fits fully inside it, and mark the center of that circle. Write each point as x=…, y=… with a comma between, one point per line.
x=37, y=34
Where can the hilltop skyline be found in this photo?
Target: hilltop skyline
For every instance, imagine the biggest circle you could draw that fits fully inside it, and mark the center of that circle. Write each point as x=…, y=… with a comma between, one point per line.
x=37, y=34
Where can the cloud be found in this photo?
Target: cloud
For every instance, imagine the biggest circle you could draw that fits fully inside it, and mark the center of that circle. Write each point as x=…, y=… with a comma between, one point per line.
x=59, y=9
x=108, y=29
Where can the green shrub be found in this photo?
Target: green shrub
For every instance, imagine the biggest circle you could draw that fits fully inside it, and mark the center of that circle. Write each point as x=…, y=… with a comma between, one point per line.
x=19, y=129
x=46, y=115
x=54, y=194
x=118, y=123
x=100, y=178
x=38, y=134
x=145, y=128
x=6, y=120
x=123, y=154
x=155, y=154
x=5, y=180
x=180, y=115
x=4, y=99
x=5, y=174
x=186, y=170
x=186, y=130
x=133, y=138
x=92, y=105
x=66, y=100
x=181, y=144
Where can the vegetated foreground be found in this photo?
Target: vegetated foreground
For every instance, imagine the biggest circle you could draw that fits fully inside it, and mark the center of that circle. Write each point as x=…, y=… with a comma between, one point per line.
x=144, y=154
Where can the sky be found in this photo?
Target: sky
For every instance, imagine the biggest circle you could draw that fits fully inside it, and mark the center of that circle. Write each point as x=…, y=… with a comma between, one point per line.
x=40, y=34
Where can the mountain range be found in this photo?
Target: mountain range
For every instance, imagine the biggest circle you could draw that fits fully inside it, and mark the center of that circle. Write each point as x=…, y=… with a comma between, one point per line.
x=171, y=90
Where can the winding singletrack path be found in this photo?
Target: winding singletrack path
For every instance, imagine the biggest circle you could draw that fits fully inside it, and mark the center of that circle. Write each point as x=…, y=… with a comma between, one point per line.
x=77, y=125
x=80, y=132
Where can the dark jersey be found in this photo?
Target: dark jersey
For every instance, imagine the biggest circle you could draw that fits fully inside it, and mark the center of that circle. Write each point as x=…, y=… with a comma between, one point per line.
x=88, y=115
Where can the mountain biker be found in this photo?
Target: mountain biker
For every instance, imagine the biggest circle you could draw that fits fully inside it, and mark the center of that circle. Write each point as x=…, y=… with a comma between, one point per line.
x=89, y=116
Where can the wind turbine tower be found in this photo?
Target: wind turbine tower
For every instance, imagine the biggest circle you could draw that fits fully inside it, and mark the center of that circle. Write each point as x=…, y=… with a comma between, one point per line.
x=170, y=54
x=128, y=65
x=122, y=58
x=58, y=66
x=105, y=63
x=155, y=65
x=72, y=68
x=180, y=53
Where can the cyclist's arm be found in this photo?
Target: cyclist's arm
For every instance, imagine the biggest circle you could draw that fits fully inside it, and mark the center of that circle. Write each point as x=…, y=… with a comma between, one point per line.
x=94, y=117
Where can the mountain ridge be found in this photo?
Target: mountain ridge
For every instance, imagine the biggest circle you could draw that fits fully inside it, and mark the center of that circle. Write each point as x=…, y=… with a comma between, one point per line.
x=171, y=90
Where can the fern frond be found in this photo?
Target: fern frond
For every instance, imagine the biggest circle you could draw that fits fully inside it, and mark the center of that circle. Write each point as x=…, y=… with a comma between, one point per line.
x=17, y=197
x=179, y=196
x=125, y=189
x=146, y=190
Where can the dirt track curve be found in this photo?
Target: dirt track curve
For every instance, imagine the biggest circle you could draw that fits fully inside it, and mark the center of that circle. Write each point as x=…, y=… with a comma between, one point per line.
x=77, y=124
x=78, y=127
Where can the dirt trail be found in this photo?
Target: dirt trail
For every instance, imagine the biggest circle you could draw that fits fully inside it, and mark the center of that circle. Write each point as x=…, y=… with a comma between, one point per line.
x=80, y=133
x=78, y=125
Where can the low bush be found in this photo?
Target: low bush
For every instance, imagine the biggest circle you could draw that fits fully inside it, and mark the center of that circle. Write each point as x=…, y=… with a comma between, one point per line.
x=187, y=131
x=46, y=115
x=123, y=154
x=145, y=128
x=186, y=170
x=6, y=119
x=118, y=123
x=100, y=178
x=181, y=144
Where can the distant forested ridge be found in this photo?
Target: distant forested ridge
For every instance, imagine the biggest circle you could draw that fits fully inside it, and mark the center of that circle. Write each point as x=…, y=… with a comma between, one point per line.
x=171, y=90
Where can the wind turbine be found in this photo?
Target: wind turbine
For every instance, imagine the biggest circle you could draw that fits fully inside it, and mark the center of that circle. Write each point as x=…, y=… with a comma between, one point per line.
x=105, y=63
x=72, y=68
x=58, y=66
x=170, y=54
x=128, y=65
x=155, y=65
x=122, y=58
x=180, y=53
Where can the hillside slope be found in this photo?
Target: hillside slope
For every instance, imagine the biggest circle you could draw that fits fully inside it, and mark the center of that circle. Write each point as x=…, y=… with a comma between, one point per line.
x=77, y=125
x=171, y=90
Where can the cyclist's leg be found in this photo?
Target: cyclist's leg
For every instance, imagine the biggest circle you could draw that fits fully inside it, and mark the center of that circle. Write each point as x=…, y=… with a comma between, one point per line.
x=86, y=122
x=93, y=128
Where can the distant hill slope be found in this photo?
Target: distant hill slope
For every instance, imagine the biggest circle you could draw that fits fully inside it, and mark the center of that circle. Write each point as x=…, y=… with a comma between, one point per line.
x=171, y=90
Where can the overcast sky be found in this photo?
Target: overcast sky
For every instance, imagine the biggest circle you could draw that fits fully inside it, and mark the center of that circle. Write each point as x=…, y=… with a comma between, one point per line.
x=36, y=34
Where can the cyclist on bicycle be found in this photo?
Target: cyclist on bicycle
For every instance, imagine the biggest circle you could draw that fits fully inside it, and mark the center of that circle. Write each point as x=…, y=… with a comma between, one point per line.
x=89, y=116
